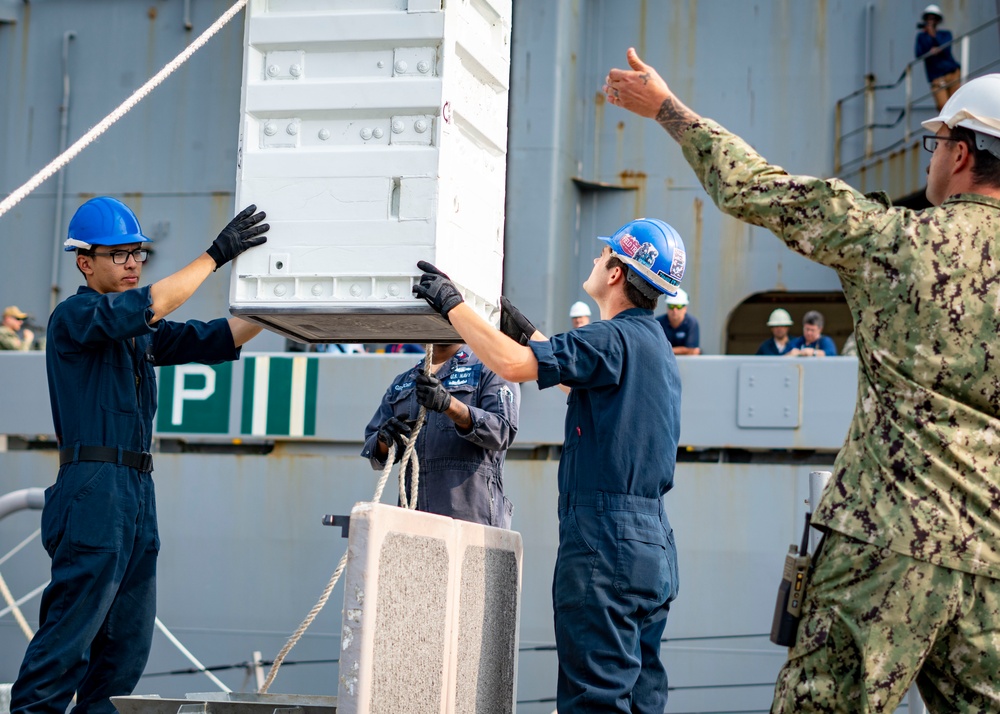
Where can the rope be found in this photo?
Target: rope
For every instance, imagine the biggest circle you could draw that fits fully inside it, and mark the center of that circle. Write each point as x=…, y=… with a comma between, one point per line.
x=190, y=657
x=297, y=635
x=409, y=456
x=20, y=545
x=25, y=598
x=106, y=123
x=12, y=606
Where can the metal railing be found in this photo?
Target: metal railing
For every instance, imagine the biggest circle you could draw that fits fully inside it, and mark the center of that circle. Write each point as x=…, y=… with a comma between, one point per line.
x=870, y=94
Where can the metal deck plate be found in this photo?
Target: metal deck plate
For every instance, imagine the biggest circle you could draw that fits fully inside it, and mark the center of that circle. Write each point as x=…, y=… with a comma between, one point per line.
x=227, y=703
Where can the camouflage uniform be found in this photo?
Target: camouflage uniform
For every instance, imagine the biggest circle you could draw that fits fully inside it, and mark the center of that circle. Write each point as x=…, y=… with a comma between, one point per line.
x=9, y=340
x=916, y=487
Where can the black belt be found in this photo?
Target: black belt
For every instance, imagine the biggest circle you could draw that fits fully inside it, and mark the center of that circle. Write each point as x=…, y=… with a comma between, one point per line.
x=139, y=460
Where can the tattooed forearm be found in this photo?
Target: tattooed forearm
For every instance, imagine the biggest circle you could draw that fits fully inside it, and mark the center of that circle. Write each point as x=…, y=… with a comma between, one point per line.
x=675, y=117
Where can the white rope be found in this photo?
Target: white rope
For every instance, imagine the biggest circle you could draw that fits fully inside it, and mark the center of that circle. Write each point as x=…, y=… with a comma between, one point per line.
x=12, y=606
x=409, y=456
x=139, y=94
x=20, y=545
x=25, y=598
x=297, y=635
x=190, y=657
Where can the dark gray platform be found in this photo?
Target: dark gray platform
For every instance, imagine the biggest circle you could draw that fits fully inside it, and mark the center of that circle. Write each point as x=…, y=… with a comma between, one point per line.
x=227, y=703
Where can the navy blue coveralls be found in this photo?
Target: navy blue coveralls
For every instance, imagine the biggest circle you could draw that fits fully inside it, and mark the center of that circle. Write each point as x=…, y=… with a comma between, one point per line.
x=461, y=473
x=687, y=334
x=616, y=567
x=99, y=521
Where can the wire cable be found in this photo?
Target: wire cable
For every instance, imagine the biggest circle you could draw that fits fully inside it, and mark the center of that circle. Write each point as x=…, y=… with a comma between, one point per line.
x=238, y=665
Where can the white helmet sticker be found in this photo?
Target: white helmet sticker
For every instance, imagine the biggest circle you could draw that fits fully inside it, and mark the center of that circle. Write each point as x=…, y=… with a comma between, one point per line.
x=677, y=265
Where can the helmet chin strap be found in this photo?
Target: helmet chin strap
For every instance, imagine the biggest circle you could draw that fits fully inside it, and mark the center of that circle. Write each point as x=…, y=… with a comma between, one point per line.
x=641, y=285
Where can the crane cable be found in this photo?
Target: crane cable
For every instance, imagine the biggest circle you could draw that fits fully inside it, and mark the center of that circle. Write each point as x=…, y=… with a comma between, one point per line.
x=409, y=459
x=64, y=158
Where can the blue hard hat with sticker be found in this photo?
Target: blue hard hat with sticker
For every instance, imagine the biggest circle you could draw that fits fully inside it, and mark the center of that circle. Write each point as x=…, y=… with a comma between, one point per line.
x=654, y=251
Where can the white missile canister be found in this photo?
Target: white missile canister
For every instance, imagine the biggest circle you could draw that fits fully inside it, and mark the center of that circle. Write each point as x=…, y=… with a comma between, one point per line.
x=374, y=135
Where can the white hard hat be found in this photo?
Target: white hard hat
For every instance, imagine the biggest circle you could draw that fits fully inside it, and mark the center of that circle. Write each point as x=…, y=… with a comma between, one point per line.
x=975, y=106
x=681, y=298
x=579, y=309
x=932, y=10
x=779, y=318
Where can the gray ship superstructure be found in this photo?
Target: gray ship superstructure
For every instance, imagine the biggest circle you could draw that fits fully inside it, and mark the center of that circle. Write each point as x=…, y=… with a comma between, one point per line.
x=244, y=474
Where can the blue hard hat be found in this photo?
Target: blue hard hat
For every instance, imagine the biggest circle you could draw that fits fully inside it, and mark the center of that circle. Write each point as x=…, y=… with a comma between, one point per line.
x=103, y=221
x=655, y=253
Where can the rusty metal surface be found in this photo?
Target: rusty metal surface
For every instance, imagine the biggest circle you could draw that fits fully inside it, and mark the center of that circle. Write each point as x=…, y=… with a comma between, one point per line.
x=770, y=71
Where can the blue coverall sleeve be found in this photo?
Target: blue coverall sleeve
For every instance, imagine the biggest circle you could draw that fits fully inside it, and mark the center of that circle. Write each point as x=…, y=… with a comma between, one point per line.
x=370, y=449
x=397, y=401
x=925, y=43
x=828, y=346
x=97, y=319
x=494, y=418
x=589, y=356
x=194, y=341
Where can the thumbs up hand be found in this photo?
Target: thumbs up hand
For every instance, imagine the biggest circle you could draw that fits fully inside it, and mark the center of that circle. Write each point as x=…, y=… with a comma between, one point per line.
x=639, y=89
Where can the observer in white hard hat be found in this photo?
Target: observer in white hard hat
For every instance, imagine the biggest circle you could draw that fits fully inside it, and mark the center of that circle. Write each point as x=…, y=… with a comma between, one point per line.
x=933, y=45
x=933, y=10
x=680, y=299
x=779, y=318
x=682, y=330
x=579, y=313
x=779, y=343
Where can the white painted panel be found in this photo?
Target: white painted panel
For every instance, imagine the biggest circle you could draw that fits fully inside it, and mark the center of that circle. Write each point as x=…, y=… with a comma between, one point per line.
x=374, y=135
x=369, y=160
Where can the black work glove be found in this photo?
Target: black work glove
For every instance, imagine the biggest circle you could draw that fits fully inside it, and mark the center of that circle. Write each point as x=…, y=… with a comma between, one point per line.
x=437, y=289
x=513, y=323
x=431, y=393
x=393, y=432
x=242, y=232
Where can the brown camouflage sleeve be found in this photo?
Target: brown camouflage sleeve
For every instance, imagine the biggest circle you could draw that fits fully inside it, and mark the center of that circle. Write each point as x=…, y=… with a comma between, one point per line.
x=825, y=220
x=10, y=341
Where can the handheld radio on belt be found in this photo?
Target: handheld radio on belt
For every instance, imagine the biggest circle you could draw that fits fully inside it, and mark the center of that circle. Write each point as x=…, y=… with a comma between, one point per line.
x=788, y=608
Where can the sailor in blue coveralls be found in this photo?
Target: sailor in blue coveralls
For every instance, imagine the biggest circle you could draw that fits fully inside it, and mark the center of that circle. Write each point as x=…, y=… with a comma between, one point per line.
x=99, y=521
x=471, y=422
x=616, y=567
